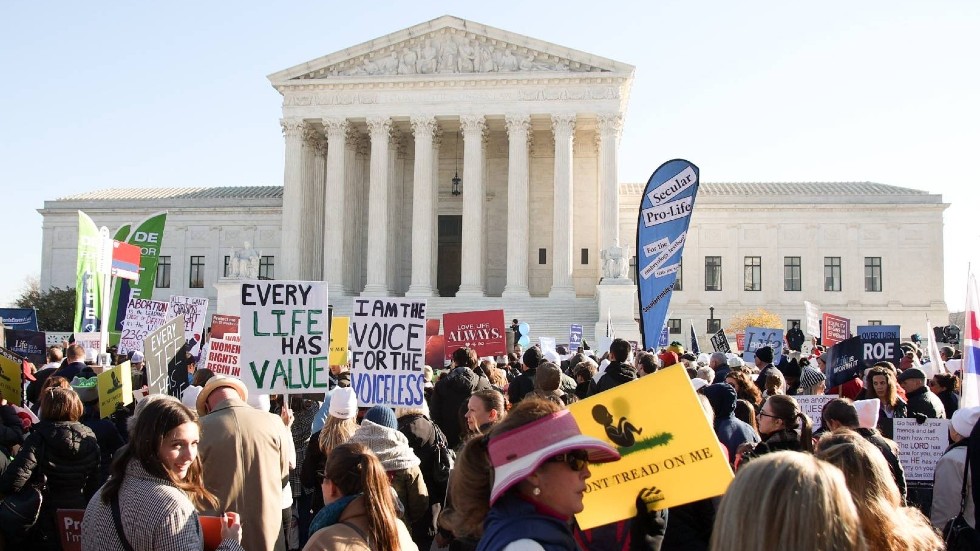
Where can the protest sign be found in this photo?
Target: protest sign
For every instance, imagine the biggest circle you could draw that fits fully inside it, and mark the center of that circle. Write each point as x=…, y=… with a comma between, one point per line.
x=881, y=343
x=661, y=230
x=19, y=318
x=11, y=377
x=148, y=237
x=161, y=358
x=547, y=343
x=224, y=355
x=55, y=338
x=666, y=442
x=339, y=337
x=740, y=341
x=221, y=324
x=844, y=361
x=812, y=405
x=920, y=446
x=695, y=346
x=574, y=337
x=812, y=318
x=115, y=388
x=90, y=342
x=720, y=342
x=835, y=329
x=285, y=336
x=142, y=317
x=386, y=350
x=664, y=337
x=758, y=337
x=70, y=528
x=194, y=310
x=26, y=343
x=483, y=331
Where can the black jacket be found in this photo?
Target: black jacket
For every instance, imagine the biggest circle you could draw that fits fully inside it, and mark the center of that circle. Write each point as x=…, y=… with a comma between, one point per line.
x=11, y=429
x=449, y=397
x=951, y=402
x=616, y=374
x=923, y=402
x=521, y=386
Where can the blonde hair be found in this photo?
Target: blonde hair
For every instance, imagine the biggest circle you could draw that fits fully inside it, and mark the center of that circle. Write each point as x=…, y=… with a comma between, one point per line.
x=787, y=500
x=336, y=431
x=885, y=523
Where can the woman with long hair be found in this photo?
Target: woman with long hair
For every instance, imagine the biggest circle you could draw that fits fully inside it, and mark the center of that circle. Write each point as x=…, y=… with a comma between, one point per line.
x=155, y=487
x=788, y=500
x=61, y=456
x=360, y=509
x=887, y=526
x=522, y=483
x=782, y=426
x=883, y=385
x=339, y=427
x=946, y=387
x=745, y=388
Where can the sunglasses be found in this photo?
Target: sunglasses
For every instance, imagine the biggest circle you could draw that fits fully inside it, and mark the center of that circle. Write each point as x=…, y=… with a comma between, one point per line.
x=576, y=460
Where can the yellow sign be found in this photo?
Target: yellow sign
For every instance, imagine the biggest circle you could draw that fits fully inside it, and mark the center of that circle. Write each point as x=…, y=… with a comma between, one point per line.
x=669, y=450
x=339, y=335
x=11, y=381
x=115, y=388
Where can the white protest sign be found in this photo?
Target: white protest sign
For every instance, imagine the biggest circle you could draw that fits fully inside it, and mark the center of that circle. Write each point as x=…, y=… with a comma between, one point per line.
x=547, y=343
x=920, y=446
x=387, y=351
x=142, y=318
x=812, y=318
x=89, y=342
x=812, y=405
x=195, y=310
x=284, y=336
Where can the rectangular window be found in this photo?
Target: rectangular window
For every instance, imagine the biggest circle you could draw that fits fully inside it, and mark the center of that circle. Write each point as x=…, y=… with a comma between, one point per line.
x=831, y=273
x=267, y=267
x=196, y=280
x=753, y=273
x=163, y=272
x=585, y=256
x=542, y=256
x=712, y=273
x=633, y=268
x=679, y=282
x=872, y=274
x=674, y=326
x=874, y=322
x=792, y=273
x=227, y=270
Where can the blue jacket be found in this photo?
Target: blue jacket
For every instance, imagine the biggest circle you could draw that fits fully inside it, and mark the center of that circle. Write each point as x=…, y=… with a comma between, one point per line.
x=731, y=431
x=512, y=518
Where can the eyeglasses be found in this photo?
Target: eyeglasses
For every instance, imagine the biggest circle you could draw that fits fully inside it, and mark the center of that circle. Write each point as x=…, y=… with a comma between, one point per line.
x=576, y=460
x=764, y=414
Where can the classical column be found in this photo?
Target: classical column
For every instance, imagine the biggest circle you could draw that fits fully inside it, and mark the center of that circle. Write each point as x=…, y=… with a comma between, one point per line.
x=563, y=126
x=311, y=225
x=395, y=206
x=436, y=146
x=377, y=243
x=610, y=128
x=292, y=200
x=518, y=127
x=422, y=207
x=471, y=257
x=335, y=206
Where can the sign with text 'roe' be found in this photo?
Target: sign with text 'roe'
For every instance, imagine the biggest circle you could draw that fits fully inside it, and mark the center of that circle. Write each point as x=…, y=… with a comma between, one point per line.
x=387, y=349
x=285, y=340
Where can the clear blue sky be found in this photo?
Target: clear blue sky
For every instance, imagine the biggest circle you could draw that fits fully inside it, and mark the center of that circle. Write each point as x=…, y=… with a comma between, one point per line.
x=99, y=95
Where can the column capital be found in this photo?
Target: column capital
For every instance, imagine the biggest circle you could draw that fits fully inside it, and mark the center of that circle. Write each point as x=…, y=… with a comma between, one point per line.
x=379, y=128
x=335, y=128
x=472, y=124
x=423, y=126
x=292, y=129
x=563, y=123
x=311, y=138
x=610, y=124
x=517, y=125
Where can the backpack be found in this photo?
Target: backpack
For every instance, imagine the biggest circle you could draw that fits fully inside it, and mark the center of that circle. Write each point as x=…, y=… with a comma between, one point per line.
x=444, y=458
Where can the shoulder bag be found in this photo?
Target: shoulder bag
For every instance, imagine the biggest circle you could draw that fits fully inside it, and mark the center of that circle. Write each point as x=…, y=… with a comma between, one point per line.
x=958, y=534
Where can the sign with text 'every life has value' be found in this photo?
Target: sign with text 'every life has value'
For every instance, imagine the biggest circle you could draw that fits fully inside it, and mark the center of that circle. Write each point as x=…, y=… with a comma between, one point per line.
x=285, y=340
x=669, y=451
x=387, y=351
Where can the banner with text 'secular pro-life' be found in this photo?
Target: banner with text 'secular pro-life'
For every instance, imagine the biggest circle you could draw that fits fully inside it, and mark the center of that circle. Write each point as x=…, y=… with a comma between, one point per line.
x=664, y=218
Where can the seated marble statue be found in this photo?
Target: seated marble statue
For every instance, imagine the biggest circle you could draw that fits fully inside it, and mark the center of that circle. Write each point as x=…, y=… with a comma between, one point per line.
x=244, y=263
x=614, y=262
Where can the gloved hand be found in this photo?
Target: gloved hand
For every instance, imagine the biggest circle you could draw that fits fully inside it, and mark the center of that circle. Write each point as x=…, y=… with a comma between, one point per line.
x=648, y=526
x=920, y=418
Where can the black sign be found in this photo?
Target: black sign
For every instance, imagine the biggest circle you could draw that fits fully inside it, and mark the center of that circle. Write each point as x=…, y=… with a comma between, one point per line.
x=720, y=342
x=844, y=360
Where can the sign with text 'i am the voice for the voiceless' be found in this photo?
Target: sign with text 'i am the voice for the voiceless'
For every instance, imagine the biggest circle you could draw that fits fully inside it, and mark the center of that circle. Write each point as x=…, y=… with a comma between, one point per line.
x=387, y=351
x=285, y=340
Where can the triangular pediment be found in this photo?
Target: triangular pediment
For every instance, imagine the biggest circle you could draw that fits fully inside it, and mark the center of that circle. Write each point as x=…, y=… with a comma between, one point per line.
x=446, y=46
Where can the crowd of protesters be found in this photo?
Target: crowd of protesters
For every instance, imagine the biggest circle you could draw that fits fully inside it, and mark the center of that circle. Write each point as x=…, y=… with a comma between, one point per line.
x=491, y=460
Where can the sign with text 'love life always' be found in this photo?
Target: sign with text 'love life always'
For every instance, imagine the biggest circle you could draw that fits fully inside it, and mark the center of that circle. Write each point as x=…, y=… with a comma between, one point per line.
x=285, y=341
x=881, y=343
x=664, y=218
x=387, y=349
x=482, y=331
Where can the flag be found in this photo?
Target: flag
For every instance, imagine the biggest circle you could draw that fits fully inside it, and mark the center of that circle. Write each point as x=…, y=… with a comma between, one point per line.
x=695, y=347
x=609, y=330
x=88, y=301
x=970, y=396
x=125, y=260
x=935, y=364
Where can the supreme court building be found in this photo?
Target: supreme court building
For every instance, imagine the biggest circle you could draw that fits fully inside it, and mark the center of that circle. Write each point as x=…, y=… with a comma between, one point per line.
x=477, y=168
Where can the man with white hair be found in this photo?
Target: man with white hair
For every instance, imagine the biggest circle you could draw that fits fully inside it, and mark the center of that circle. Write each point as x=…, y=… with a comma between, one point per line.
x=719, y=363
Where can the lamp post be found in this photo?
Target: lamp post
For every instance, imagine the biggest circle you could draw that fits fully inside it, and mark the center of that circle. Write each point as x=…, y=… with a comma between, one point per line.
x=711, y=321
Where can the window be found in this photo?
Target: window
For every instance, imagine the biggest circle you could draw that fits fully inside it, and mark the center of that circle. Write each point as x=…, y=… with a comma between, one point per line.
x=163, y=272
x=831, y=273
x=267, y=267
x=753, y=273
x=872, y=274
x=712, y=273
x=874, y=322
x=790, y=323
x=633, y=268
x=679, y=282
x=542, y=256
x=227, y=270
x=585, y=256
x=714, y=325
x=792, y=273
x=674, y=326
x=197, y=273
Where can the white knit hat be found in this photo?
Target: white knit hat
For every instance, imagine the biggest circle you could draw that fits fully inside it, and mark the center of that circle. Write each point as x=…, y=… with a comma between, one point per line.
x=343, y=403
x=868, y=412
x=964, y=419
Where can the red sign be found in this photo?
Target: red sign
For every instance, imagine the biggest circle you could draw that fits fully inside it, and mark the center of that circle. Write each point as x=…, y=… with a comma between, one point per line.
x=482, y=331
x=835, y=329
x=70, y=528
x=221, y=324
x=740, y=341
x=435, y=351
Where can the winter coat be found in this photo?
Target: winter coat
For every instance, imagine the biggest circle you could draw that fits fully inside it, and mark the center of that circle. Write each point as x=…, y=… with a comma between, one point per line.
x=885, y=424
x=246, y=467
x=401, y=464
x=951, y=402
x=731, y=431
x=11, y=429
x=449, y=399
x=782, y=440
x=521, y=386
x=947, y=486
x=760, y=381
x=108, y=436
x=617, y=373
x=341, y=537
x=922, y=401
x=155, y=515
x=513, y=520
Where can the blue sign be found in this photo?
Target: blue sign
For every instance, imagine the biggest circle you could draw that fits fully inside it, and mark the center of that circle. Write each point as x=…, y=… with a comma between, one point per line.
x=758, y=337
x=574, y=337
x=881, y=343
x=664, y=336
x=29, y=344
x=844, y=361
x=664, y=217
x=19, y=318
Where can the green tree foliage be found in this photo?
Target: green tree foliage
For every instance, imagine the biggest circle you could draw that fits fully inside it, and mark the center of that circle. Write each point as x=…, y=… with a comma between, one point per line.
x=55, y=307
